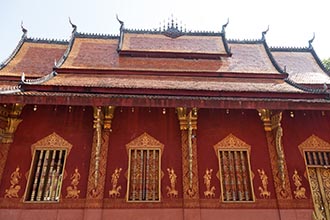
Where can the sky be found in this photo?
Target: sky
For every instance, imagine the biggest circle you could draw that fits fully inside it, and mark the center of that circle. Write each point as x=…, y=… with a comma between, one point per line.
x=291, y=22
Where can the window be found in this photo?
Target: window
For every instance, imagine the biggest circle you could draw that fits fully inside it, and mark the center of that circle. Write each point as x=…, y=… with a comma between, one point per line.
x=144, y=175
x=317, y=158
x=46, y=175
x=234, y=166
x=144, y=169
x=47, y=169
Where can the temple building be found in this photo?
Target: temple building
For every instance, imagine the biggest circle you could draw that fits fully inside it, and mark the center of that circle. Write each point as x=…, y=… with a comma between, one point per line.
x=163, y=124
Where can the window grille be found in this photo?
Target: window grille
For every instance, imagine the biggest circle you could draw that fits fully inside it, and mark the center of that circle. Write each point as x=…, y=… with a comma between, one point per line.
x=46, y=175
x=317, y=158
x=144, y=175
x=235, y=176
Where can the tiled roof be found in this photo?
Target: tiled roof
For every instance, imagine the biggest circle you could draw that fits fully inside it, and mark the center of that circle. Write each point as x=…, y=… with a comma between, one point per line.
x=136, y=42
x=301, y=65
x=173, y=83
x=35, y=58
x=88, y=53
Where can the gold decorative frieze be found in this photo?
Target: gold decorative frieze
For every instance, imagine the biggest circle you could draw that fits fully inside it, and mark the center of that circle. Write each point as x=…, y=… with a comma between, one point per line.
x=300, y=192
x=115, y=191
x=171, y=191
x=210, y=191
x=12, y=191
x=11, y=116
x=52, y=141
x=264, y=193
x=73, y=191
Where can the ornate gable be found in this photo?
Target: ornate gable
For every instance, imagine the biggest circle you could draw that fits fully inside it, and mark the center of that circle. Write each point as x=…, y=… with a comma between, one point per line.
x=231, y=142
x=50, y=142
x=145, y=141
x=314, y=143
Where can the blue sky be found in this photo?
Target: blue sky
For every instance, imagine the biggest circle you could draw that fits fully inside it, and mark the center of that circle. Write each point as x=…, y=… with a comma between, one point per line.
x=291, y=22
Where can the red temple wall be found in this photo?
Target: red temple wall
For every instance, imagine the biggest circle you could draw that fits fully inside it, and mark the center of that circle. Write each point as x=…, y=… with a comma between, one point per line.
x=295, y=131
x=74, y=125
x=214, y=125
x=130, y=123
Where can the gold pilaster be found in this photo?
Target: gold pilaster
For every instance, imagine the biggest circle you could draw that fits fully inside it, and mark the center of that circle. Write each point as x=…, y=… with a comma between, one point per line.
x=11, y=117
x=188, y=127
x=274, y=133
x=97, y=171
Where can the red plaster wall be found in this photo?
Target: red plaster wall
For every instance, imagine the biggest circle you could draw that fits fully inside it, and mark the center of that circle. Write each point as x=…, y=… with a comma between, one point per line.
x=129, y=124
x=76, y=127
x=295, y=131
x=216, y=124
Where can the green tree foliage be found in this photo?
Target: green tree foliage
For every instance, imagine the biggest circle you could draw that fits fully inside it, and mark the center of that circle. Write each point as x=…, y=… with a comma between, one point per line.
x=326, y=63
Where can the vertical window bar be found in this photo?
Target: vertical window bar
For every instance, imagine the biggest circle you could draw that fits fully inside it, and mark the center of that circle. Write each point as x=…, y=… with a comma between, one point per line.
x=246, y=175
x=42, y=184
x=320, y=156
x=232, y=176
x=58, y=176
x=52, y=186
x=141, y=175
x=315, y=158
x=326, y=158
x=49, y=176
x=37, y=175
x=238, y=171
x=309, y=158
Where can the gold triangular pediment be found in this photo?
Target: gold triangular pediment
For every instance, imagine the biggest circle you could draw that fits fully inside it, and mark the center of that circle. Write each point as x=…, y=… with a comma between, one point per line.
x=145, y=141
x=231, y=142
x=52, y=141
x=314, y=143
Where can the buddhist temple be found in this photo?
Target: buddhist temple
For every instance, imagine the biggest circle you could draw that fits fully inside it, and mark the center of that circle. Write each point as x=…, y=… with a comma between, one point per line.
x=163, y=124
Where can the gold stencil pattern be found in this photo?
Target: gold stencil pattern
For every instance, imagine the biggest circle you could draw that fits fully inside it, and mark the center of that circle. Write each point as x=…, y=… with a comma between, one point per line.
x=171, y=191
x=210, y=191
x=114, y=192
x=73, y=191
x=300, y=191
x=12, y=192
x=264, y=193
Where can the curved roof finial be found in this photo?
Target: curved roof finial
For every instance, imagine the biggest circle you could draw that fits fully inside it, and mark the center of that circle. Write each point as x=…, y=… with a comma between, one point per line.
x=311, y=41
x=264, y=34
x=73, y=26
x=120, y=22
x=224, y=26
x=23, y=29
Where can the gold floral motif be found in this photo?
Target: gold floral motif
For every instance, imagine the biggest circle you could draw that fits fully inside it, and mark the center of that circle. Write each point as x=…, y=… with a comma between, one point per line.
x=73, y=191
x=313, y=143
x=300, y=191
x=52, y=141
x=209, y=193
x=12, y=192
x=264, y=193
x=144, y=141
x=171, y=191
x=231, y=142
x=114, y=192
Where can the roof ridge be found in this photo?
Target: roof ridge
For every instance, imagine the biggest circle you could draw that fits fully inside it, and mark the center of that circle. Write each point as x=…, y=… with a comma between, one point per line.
x=289, y=49
x=46, y=40
x=245, y=41
x=96, y=35
x=15, y=51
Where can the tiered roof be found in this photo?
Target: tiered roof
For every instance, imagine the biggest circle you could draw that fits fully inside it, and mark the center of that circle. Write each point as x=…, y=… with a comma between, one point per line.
x=168, y=63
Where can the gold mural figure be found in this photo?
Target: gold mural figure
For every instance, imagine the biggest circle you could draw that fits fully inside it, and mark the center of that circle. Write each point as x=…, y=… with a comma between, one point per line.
x=114, y=192
x=209, y=193
x=264, y=193
x=12, y=192
x=300, y=191
x=72, y=191
x=171, y=191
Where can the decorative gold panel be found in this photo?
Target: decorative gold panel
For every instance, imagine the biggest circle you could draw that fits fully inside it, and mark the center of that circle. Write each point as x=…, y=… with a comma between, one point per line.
x=115, y=191
x=313, y=143
x=231, y=142
x=264, y=193
x=210, y=191
x=73, y=191
x=171, y=191
x=14, y=188
x=52, y=141
x=144, y=141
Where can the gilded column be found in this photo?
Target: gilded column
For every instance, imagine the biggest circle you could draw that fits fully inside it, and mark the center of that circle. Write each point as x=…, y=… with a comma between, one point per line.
x=274, y=133
x=188, y=127
x=10, y=116
x=97, y=170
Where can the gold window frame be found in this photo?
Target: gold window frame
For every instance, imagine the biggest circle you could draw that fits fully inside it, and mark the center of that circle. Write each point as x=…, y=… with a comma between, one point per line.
x=51, y=142
x=234, y=144
x=144, y=142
